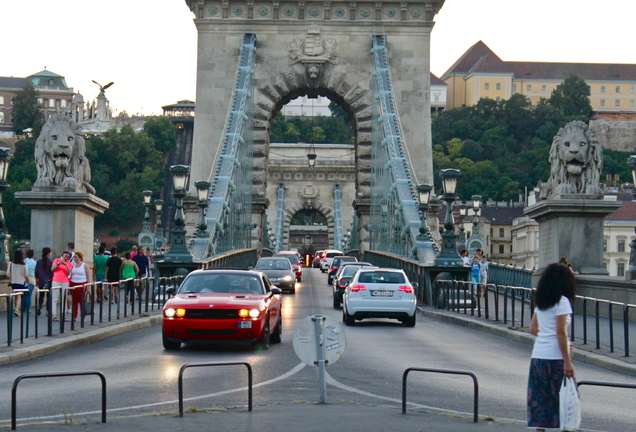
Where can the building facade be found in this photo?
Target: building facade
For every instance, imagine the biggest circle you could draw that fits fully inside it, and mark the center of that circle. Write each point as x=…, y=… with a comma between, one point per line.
x=480, y=73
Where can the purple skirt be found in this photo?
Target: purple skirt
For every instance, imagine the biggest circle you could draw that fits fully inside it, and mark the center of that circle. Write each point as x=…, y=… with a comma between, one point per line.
x=544, y=384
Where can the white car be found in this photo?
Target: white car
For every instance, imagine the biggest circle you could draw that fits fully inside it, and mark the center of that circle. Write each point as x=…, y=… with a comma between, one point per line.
x=328, y=258
x=380, y=293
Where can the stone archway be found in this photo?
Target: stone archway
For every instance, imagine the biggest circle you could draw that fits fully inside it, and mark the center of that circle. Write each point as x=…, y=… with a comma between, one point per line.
x=313, y=48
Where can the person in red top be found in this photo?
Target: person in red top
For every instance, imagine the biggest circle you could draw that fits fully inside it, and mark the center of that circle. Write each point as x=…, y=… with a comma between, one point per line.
x=61, y=270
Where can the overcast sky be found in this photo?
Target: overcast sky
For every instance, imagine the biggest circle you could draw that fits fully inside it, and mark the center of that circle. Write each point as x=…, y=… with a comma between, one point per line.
x=148, y=47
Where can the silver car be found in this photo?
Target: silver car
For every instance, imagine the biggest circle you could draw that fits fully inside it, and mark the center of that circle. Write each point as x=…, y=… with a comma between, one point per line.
x=279, y=271
x=380, y=293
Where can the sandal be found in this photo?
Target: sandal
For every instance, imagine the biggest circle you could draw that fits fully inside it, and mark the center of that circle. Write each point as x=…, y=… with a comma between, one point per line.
x=55, y=319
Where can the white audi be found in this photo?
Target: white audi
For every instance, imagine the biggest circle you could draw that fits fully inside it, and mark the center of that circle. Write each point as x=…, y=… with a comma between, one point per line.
x=380, y=293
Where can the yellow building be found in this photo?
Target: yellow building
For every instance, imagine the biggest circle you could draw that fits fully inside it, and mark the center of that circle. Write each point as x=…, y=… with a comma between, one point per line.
x=480, y=73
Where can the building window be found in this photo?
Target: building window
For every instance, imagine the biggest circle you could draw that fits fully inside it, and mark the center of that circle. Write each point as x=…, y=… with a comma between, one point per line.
x=490, y=231
x=620, y=269
x=632, y=89
x=602, y=102
x=604, y=245
x=51, y=103
x=605, y=265
x=1, y=100
x=602, y=89
x=63, y=103
x=544, y=88
x=632, y=103
x=514, y=87
x=621, y=245
x=1, y=117
x=501, y=249
x=618, y=89
x=486, y=86
x=435, y=97
x=501, y=232
x=617, y=103
x=528, y=87
x=498, y=86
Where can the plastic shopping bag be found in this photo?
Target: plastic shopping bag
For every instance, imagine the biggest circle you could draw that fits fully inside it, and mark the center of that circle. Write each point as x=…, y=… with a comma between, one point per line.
x=569, y=405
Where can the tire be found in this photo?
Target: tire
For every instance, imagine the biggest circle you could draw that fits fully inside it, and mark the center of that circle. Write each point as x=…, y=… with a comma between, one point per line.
x=168, y=344
x=329, y=281
x=348, y=319
x=299, y=279
x=410, y=321
x=277, y=335
x=292, y=291
x=336, y=302
x=263, y=342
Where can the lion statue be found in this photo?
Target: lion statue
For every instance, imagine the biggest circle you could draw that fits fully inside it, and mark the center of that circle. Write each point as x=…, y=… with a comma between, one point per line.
x=577, y=161
x=59, y=156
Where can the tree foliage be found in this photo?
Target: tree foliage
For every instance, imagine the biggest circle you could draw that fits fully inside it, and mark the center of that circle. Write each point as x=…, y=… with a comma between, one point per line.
x=27, y=111
x=324, y=130
x=502, y=147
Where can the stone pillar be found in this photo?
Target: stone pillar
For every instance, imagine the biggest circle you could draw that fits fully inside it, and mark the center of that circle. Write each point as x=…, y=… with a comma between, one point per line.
x=572, y=226
x=59, y=217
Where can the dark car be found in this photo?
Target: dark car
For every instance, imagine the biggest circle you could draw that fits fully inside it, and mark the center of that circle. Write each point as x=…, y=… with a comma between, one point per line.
x=335, y=265
x=279, y=271
x=343, y=276
x=221, y=305
x=295, y=262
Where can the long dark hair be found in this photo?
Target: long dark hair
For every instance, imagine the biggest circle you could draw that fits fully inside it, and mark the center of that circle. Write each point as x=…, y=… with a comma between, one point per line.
x=18, y=257
x=556, y=281
x=45, y=253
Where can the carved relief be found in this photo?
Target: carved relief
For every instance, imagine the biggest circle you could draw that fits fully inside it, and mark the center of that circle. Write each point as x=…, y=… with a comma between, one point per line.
x=313, y=51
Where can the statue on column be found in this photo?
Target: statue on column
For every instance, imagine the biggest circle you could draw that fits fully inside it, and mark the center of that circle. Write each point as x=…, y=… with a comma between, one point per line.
x=60, y=156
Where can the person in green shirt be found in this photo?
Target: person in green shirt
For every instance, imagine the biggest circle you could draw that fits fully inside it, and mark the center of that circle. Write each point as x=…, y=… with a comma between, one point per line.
x=99, y=269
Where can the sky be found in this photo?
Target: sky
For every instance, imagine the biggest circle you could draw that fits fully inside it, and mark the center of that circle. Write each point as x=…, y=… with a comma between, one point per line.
x=148, y=48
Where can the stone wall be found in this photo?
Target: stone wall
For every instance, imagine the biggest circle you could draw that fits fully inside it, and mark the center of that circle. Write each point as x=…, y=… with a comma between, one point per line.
x=615, y=135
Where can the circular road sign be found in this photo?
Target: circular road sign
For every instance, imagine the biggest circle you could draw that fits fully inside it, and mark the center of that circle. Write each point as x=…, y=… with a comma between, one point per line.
x=331, y=339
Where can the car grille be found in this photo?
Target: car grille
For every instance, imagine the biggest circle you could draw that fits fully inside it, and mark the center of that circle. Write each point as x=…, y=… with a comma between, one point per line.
x=197, y=332
x=212, y=313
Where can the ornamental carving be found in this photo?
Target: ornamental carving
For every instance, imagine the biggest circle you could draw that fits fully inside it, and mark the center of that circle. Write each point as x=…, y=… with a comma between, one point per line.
x=313, y=51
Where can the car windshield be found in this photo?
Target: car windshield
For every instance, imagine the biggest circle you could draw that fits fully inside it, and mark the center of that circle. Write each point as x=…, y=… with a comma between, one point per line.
x=277, y=264
x=381, y=277
x=222, y=283
x=292, y=258
x=350, y=270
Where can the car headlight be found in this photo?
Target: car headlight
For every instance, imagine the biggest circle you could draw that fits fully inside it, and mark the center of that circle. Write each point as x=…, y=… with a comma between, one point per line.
x=168, y=312
x=287, y=278
x=252, y=313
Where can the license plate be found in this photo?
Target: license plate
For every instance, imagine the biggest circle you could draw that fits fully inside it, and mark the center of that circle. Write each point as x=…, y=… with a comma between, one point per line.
x=378, y=293
x=245, y=324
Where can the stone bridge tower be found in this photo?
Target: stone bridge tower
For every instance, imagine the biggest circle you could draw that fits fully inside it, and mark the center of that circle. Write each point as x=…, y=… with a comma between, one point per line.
x=313, y=48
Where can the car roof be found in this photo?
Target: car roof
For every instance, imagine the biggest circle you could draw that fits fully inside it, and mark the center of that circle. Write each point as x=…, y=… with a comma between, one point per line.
x=273, y=258
x=230, y=271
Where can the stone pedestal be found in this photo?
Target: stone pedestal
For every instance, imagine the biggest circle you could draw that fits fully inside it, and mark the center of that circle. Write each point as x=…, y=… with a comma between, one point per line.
x=59, y=217
x=572, y=227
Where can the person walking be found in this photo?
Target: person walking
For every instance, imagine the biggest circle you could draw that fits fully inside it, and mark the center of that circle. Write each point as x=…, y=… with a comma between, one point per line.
x=80, y=275
x=475, y=273
x=483, y=275
x=551, y=359
x=18, y=279
x=61, y=268
x=129, y=272
x=43, y=276
x=99, y=270
x=30, y=265
x=113, y=273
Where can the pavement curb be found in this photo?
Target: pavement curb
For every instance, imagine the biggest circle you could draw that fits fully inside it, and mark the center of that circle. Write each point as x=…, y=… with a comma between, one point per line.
x=59, y=343
x=577, y=354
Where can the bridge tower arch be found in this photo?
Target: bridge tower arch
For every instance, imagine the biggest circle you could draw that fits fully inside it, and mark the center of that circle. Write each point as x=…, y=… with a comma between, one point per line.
x=313, y=48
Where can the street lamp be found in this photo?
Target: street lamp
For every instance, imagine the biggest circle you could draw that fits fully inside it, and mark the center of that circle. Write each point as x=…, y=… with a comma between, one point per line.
x=448, y=255
x=159, y=239
x=311, y=156
x=5, y=155
x=179, y=251
x=463, y=211
x=475, y=241
x=145, y=237
x=203, y=190
x=424, y=196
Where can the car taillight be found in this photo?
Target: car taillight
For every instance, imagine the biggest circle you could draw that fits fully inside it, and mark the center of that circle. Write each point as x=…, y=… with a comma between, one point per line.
x=356, y=288
x=406, y=289
x=342, y=284
x=324, y=260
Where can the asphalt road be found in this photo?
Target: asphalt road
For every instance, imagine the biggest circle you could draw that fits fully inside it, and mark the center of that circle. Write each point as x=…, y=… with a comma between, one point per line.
x=142, y=377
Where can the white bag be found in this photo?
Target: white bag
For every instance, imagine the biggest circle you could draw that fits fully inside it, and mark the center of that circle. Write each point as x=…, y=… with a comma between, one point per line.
x=569, y=406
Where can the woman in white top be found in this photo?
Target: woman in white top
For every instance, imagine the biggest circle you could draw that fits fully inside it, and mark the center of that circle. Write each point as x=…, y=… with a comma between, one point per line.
x=80, y=275
x=551, y=359
x=18, y=278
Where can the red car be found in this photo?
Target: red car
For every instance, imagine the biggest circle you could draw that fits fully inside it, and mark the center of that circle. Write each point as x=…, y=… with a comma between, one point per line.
x=218, y=305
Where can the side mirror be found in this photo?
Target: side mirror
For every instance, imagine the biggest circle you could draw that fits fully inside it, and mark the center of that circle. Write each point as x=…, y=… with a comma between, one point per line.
x=170, y=291
x=250, y=267
x=415, y=285
x=276, y=290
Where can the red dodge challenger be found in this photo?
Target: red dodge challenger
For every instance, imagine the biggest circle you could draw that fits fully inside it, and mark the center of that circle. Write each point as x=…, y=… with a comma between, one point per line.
x=218, y=305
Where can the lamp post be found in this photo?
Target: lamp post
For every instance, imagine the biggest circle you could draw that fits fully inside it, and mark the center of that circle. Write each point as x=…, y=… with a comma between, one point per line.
x=631, y=161
x=5, y=156
x=424, y=196
x=311, y=156
x=159, y=239
x=179, y=251
x=203, y=189
x=461, y=242
x=475, y=241
x=145, y=237
x=449, y=256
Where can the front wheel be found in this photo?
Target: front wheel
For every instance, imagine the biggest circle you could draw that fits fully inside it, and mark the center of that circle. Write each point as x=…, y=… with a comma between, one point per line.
x=277, y=335
x=263, y=342
x=169, y=344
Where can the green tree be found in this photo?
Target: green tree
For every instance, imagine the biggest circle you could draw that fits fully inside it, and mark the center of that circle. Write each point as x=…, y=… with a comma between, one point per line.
x=27, y=111
x=572, y=97
x=21, y=176
x=163, y=132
